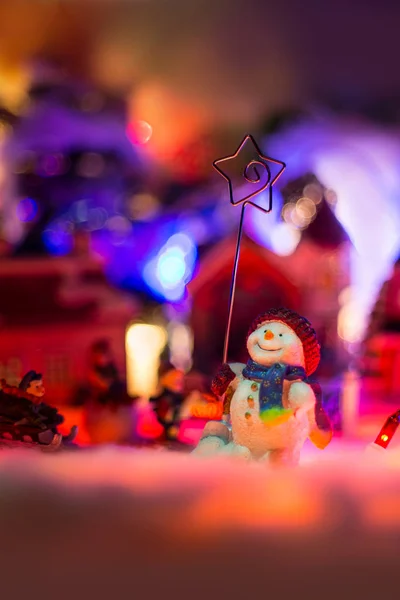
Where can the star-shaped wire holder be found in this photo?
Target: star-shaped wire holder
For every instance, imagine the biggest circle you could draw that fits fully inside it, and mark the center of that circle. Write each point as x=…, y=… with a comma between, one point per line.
x=257, y=172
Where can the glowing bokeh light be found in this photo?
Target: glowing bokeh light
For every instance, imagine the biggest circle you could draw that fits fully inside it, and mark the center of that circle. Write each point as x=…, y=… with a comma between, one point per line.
x=143, y=344
x=345, y=296
x=314, y=192
x=284, y=239
x=58, y=239
x=306, y=208
x=172, y=268
x=331, y=197
x=180, y=342
x=26, y=210
x=350, y=322
x=51, y=165
x=139, y=132
x=143, y=206
x=120, y=228
x=287, y=211
x=299, y=214
x=175, y=121
x=14, y=85
x=119, y=224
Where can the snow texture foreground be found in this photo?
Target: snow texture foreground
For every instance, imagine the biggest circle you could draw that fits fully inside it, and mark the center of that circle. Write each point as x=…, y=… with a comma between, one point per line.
x=120, y=523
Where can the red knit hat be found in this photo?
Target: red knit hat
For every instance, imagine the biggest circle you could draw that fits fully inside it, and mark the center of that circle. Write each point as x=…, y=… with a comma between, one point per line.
x=302, y=329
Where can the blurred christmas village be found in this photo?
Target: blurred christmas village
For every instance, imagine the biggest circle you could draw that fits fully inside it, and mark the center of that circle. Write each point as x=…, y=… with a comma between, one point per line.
x=115, y=264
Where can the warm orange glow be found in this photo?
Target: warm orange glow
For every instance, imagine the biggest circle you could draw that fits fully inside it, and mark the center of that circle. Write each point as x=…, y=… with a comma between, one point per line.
x=291, y=505
x=384, y=438
x=320, y=438
x=383, y=510
x=13, y=87
x=175, y=122
x=212, y=410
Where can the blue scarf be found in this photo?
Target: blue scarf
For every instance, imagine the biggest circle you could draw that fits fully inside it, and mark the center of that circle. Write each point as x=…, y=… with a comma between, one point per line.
x=271, y=379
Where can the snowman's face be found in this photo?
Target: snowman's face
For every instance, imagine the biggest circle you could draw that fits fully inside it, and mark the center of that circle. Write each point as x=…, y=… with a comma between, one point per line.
x=274, y=342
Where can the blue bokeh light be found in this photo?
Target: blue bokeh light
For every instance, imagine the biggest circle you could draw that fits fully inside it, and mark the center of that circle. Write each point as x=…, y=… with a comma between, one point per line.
x=57, y=239
x=26, y=210
x=172, y=268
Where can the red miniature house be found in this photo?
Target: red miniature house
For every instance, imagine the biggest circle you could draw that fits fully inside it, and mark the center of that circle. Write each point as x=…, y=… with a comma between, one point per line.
x=382, y=341
x=308, y=281
x=51, y=311
x=260, y=285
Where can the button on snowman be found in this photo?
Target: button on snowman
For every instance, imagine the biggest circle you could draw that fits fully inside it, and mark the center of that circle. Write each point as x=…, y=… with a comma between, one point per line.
x=270, y=406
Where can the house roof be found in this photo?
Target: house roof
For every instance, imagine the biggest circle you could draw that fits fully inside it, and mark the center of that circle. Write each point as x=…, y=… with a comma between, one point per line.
x=325, y=230
x=32, y=300
x=219, y=260
x=47, y=292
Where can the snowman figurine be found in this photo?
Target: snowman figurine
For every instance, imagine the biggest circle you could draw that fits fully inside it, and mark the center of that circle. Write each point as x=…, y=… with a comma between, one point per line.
x=270, y=406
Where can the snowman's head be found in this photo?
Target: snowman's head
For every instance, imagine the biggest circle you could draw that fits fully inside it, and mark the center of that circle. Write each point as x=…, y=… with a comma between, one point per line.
x=275, y=342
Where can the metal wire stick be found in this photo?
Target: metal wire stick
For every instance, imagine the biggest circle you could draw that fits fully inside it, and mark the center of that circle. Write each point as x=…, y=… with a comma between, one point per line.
x=251, y=175
x=233, y=283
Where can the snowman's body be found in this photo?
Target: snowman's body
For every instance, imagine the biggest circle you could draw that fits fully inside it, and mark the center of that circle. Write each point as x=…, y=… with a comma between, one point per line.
x=270, y=440
x=253, y=436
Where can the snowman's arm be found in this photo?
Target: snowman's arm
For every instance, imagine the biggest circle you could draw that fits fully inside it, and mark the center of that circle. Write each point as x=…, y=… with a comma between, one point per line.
x=301, y=398
x=225, y=378
x=237, y=368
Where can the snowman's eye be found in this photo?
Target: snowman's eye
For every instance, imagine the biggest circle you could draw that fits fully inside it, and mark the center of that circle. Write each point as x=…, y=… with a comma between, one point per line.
x=265, y=331
x=281, y=334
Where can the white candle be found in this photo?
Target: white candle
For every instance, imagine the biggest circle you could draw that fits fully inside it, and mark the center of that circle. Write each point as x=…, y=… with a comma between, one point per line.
x=144, y=344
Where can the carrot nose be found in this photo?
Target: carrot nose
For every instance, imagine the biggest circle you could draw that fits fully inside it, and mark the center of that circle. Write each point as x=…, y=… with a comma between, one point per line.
x=268, y=335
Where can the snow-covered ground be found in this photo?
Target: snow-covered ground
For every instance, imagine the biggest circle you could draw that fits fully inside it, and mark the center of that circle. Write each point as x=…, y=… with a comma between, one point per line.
x=119, y=522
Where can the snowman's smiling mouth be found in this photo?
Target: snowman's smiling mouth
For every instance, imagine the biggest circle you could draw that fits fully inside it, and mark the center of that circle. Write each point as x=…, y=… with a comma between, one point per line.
x=268, y=349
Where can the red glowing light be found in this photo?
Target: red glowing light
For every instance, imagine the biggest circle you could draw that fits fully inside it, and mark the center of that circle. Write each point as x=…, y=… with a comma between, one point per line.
x=388, y=430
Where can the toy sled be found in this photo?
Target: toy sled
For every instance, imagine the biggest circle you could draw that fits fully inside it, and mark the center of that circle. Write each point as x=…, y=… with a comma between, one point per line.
x=13, y=435
x=21, y=423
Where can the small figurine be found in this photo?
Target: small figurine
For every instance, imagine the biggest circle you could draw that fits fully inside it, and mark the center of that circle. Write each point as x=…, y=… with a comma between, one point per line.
x=104, y=387
x=32, y=383
x=107, y=415
x=25, y=419
x=270, y=405
x=167, y=403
